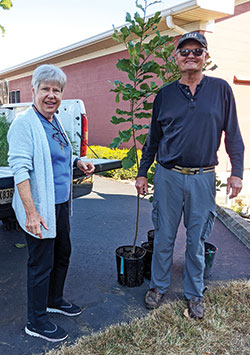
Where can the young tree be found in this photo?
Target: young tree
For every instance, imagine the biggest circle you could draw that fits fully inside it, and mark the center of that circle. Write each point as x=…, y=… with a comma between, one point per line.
x=149, y=65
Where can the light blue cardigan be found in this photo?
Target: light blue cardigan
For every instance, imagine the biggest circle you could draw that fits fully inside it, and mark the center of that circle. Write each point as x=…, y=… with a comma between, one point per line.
x=29, y=158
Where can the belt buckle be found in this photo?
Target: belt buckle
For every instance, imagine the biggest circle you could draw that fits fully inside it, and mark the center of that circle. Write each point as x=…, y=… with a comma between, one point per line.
x=186, y=171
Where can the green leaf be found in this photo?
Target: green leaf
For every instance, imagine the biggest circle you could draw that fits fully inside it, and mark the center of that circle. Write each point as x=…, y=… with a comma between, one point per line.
x=127, y=163
x=128, y=86
x=136, y=30
x=128, y=17
x=117, y=98
x=153, y=85
x=125, y=32
x=130, y=159
x=122, y=112
x=147, y=105
x=142, y=56
x=138, y=48
x=151, y=67
x=143, y=115
x=2, y=29
x=5, y=4
x=123, y=64
x=139, y=19
x=144, y=86
x=115, y=142
x=118, y=82
x=137, y=127
x=125, y=135
x=132, y=77
x=142, y=138
x=117, y=120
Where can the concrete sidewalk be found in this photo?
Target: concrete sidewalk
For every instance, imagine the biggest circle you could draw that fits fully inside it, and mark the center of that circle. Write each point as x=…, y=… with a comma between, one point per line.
x=102, y=221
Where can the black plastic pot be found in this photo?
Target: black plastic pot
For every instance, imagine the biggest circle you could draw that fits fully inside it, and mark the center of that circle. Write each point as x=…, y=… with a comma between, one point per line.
x=130, y=268
x=151, y=236
x=210, y=251
x=148, y=246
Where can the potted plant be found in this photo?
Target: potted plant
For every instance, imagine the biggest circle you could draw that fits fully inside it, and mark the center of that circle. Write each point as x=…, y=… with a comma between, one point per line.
x=148, y=66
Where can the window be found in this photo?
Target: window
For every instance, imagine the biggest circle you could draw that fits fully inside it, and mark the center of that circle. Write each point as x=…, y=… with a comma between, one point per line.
x=14, y=97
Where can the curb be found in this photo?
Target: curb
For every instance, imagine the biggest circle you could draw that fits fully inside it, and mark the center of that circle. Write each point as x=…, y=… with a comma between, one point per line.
x=239, y=226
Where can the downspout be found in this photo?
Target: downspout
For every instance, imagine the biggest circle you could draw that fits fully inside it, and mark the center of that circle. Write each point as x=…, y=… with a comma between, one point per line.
x=170, y=23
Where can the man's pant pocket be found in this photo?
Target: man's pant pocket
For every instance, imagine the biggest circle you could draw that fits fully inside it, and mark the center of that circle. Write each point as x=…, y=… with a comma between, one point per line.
x=208, y=226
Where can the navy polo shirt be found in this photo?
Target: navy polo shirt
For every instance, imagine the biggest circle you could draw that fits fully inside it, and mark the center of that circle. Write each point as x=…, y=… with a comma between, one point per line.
x=186, y=129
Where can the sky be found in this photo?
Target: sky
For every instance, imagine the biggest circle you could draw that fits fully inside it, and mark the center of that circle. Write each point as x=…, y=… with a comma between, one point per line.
x=37, y=27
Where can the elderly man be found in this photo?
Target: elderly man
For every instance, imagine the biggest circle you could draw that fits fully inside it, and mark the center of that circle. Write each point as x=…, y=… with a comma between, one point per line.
x=189, y=116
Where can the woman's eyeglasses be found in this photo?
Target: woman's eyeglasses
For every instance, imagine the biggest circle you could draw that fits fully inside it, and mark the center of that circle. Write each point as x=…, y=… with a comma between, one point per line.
x=197, y=52
x=59, y=137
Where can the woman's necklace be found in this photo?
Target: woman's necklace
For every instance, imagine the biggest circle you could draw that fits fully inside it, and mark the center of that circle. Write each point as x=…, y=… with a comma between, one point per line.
x=59, y=133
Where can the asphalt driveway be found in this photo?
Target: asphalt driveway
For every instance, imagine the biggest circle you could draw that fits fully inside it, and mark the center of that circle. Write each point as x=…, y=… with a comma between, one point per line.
x=102, y=221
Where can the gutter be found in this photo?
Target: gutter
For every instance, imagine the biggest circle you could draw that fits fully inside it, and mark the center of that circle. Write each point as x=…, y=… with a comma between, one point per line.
x=171, y=25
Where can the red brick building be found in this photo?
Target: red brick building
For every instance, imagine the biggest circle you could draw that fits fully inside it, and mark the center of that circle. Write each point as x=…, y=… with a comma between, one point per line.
x=91, y=64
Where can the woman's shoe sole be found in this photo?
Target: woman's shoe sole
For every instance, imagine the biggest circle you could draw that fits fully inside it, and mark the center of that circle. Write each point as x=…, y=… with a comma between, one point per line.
x=38, y=335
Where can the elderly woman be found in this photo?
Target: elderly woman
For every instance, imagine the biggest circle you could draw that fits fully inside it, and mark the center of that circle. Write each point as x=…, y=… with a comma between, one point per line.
x=42, y=167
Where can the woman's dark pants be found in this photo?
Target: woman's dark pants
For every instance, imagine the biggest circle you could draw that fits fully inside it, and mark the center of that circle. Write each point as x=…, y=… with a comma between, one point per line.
x=47, y=268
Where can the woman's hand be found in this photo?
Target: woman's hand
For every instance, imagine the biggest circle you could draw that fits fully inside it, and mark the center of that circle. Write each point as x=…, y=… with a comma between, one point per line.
x=87, y=167
x=33, y=223
x=33, y=219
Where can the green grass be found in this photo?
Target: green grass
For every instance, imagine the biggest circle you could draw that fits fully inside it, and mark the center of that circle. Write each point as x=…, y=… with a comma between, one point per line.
x=224, y=329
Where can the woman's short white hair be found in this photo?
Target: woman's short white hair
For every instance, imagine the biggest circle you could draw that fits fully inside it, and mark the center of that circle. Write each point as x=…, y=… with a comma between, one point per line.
x=48, y=73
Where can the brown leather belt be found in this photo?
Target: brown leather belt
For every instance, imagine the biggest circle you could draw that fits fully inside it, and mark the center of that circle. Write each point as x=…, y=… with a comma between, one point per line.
x=193, y=171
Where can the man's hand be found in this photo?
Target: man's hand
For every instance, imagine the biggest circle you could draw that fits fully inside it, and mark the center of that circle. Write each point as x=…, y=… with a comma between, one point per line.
x=234, y=183
x=87, y=168
x=33, y=223
x=141, y=185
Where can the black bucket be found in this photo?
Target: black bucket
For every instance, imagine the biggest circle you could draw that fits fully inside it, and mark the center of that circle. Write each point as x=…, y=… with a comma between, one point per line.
x=148, y=246
x=151, y=236
x=130, y=269
x=210, y=251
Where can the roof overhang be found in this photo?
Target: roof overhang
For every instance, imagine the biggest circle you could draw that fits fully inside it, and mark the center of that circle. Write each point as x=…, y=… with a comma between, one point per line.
x=188, y=15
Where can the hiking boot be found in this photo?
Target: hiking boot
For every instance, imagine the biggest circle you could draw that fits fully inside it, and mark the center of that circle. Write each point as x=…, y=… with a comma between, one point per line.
x=195, y=308
x=50, y=332
x=66, y=308
x=153, y=298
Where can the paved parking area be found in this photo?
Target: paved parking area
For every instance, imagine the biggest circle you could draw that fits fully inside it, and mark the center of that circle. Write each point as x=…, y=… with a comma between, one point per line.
x=102, y=221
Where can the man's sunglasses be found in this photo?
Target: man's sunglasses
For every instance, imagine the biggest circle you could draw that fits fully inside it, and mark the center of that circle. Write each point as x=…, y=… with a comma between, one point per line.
x=197, y=52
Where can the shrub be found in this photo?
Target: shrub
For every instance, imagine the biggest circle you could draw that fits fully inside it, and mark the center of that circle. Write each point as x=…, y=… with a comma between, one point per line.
x=4, y=126
x=116, y=154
